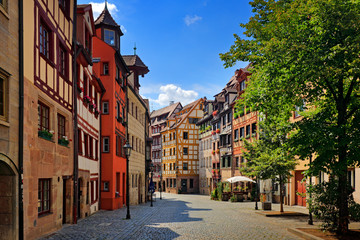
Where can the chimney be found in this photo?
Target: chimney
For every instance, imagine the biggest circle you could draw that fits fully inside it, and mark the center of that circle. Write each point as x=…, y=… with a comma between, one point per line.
x=171, y=103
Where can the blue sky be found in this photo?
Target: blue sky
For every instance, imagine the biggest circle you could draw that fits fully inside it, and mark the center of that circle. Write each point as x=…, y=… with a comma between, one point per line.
x=180, y=42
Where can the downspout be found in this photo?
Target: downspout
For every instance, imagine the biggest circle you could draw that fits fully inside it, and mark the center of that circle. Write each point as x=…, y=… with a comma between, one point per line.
x=100, y=134
x=75, y=117
x=21, y=120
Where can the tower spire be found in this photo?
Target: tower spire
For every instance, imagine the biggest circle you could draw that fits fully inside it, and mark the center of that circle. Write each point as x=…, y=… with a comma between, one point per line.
x=135, y=48
x=106, y=5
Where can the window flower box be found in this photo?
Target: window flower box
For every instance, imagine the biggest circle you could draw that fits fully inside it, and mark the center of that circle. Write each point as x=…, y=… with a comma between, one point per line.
x=45, y=134
x=87, y=99
x=213, y=152
x=217, y=130
x=213, y=132
x=217, y=150
x=248, y=136
x=64, y=141
x=208, y=128
x=236, y=140
x=215, y=113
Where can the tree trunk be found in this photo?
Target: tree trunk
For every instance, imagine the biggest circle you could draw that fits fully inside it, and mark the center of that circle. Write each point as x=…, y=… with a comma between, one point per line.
x=281, y=195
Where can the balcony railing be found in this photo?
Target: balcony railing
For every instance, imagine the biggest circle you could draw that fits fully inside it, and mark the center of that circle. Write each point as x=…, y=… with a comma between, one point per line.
x=156, y=147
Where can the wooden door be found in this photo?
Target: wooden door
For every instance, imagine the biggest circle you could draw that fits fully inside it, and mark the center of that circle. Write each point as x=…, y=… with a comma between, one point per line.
x=300, y=189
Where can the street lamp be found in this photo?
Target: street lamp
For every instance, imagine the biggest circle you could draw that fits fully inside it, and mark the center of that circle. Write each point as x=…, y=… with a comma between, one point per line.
x=127, y=149
x=151, y=184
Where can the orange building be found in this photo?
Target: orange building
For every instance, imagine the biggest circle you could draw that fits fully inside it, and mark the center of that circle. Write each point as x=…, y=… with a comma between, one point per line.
x=113, y=72
x=48, y=113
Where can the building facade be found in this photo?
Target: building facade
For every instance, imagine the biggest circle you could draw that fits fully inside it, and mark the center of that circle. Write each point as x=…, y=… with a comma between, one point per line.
x=112, y=70
x=89, y=92
x=48, y=111
x=9, y=120
x=158, y=123
x=136, y=132
x=180, y=146
x=205, y=149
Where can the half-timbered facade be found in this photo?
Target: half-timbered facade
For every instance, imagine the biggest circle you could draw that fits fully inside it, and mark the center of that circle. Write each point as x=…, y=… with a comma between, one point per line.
x=112, y=70
x=89, y=92
x=205, y=149
x=180, y=141
x=48, y=105
x=158, y=121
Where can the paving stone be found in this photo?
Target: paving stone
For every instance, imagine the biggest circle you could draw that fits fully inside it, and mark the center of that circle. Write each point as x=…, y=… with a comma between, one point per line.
x=181, y=217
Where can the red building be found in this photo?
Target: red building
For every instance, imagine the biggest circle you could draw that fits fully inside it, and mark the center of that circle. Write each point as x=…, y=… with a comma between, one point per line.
x=112, y=70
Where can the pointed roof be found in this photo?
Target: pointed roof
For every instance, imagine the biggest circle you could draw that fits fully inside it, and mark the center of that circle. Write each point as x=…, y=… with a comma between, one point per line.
x=136, y=62
x=105, y=18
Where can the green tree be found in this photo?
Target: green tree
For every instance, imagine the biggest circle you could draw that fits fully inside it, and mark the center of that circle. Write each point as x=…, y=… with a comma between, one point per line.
x=270, y=156
x=308, y=50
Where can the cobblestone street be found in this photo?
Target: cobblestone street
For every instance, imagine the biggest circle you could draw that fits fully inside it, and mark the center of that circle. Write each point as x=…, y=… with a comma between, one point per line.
x=182, y=217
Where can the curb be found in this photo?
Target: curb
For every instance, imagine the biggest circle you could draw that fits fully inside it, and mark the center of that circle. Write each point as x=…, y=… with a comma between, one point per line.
x=303, y=235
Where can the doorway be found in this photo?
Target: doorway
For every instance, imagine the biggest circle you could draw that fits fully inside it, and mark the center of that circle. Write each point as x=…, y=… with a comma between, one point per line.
x=80, y=182
x=8, y=195
x=183, y=185
x=300, y=189
x=123, y=189
x=139, y=190
x=64, y=202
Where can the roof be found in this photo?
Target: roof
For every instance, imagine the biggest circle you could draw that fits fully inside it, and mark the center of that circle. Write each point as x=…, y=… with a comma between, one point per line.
x=106, y=18
x=135, y=61
x=161, y=111
x=180, y=118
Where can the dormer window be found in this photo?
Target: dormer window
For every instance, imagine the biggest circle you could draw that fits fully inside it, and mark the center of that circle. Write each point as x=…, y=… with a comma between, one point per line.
x=109, y=37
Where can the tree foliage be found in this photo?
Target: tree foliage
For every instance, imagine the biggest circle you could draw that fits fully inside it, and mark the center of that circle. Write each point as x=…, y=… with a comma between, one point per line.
x=308, y=50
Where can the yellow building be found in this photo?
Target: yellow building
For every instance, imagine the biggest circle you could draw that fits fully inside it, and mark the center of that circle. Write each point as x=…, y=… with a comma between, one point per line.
x=180, y=150
x=48, y=105
x=138, y=115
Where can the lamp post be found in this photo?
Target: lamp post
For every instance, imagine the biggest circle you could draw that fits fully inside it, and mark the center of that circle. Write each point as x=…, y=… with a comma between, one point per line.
x=151, y=184
x=127, y=149
x=160, y=184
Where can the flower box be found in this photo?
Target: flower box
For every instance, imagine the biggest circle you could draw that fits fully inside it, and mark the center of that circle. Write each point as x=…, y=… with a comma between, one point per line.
x=217, y=130
x=45, y=134
x=87, y=99
x=217, y=150
x=213, y=132
x=247, y=136
x=215, y=113
x=236, y=140
x=213, y=152
x=63, y=142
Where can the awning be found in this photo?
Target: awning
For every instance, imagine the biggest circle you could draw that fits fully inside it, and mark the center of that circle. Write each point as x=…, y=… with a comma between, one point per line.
x=239, y=179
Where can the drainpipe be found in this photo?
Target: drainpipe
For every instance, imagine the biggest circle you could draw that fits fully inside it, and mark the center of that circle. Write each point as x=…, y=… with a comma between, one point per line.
x=100, y=134
x=21, y=120
x=75, y=117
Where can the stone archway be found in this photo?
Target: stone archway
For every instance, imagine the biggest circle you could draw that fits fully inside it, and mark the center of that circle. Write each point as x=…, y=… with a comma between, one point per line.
x=8, y=202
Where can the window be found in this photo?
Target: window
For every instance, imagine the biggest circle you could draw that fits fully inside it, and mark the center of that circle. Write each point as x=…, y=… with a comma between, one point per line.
x=164, y=138
x=106, y=144
x=45, y=41
x=299, y=109
x=117, y=187
x=174, y=136
x=105, y=108
x=96, y=149
x=351, y=178
x=3, y=96
x=109, y=37
x=253, y=128
x=224, y=120
x=118, y=108
x=85, y=84
x=118, y=145
x=164, y=153
x=185, y=135
x=3, y=4
x=43, y=117
x=106, y=186
x=236, y=134
x=44, y=190
x=247, y=130
x=87, y=192
x=105, y=68
x=86, y=143
x=61, y=126
x=170, y=135
x=242, y=85
x=185, y=151
x=91, y=148
x=185, y=166
x=237, y=161
x=62, y=61
x=65, y=7
x=242, y=132
x=80, y=142
x=193, y=120
x=229, y=117
x=191, y=183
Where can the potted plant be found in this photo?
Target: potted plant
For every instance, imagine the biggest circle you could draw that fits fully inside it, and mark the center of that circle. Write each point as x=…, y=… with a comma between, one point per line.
x=217, y=130
x=213, y=152
x=215, y=113
x=217, y=150
x=213, y=132
x=247, y=136
x=46, y=134
x=63, y=141
x=87, y=99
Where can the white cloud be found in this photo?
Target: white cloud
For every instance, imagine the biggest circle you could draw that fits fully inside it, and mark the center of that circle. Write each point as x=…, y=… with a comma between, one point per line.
x=171, y=92
x=97, y=8
x=191, y=20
